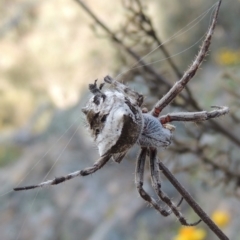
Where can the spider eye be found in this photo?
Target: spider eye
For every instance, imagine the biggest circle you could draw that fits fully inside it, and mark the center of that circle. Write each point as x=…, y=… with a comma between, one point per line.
x=103, y=119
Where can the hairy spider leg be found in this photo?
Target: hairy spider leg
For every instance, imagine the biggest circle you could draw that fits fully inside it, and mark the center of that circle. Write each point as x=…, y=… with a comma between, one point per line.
x=97, y=165
x=119, y=156
x=139, y=176
x=188, y=75
x=194, y=116
x=156, y=183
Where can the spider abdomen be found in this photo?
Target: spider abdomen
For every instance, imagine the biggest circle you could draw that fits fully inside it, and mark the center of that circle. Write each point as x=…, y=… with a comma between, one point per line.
x=154, y=134
x=114, y=119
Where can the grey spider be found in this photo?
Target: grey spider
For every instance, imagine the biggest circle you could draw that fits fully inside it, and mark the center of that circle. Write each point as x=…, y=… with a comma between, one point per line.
x=116, y=122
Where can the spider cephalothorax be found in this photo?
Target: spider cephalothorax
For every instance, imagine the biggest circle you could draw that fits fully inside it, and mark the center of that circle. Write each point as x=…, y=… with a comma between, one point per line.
x=117, y=122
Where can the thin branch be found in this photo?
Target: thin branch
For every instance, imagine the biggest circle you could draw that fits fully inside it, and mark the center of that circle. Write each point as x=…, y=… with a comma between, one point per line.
x=189, y=199
x=145, y=25
x=128, y=50
x=232, y=174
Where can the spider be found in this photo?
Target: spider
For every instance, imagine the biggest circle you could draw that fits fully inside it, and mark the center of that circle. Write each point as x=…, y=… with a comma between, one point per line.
x=117, y=122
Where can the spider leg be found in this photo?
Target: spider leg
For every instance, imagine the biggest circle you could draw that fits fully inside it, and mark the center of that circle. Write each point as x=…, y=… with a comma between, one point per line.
x=118, y=157
x=97, y=165
x=157, y=187
x=188, y=75
x=194, y=116
x=155, y=171
x=139, y=182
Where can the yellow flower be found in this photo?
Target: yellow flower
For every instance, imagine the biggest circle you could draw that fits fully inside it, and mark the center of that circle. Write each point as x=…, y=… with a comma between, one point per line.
x=228, y=57
x=190, y=233
x=221, y=218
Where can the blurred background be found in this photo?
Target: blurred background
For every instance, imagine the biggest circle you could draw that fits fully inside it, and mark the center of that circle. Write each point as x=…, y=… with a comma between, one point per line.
x=49, y=52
